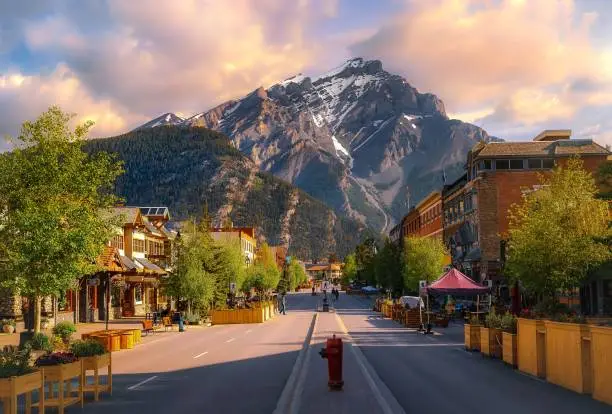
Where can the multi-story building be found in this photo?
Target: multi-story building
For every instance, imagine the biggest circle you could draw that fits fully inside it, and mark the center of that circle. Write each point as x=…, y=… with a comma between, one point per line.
x=430, y=215
x=246, y=237
x=325, y=271
x=498, y=173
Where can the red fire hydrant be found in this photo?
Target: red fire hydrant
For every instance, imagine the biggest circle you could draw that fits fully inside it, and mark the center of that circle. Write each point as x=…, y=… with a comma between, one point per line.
x=333, y=353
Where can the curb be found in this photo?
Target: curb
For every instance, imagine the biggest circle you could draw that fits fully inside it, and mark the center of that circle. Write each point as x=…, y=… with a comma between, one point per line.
x=288, y=401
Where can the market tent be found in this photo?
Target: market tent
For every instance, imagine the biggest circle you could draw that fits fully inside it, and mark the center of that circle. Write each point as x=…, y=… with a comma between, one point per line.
x=455, y=283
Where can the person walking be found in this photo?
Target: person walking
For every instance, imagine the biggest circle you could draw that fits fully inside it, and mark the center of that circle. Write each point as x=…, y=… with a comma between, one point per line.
x=283, y=303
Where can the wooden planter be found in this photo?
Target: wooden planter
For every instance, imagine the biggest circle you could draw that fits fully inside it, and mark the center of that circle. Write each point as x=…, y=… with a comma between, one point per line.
x=601, y=345
x=127, y=340
x=11, y=388
x=412, y=318
x=472, y=337
x=568, y=356
x=490, y=342
x=110, y=341
x=509, y=348
x=531, y=347
x=66, y=395
x=95, y=363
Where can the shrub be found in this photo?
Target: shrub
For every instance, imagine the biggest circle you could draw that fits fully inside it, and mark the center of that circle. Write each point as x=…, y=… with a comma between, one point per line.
x=192, y=317
x=474, y=320
x=87, y=348
x=14, y=361
x=41, y=342
x=493, y=320
x=508, y=323
x=55, y=358
x=64, y=330
x=11, y=322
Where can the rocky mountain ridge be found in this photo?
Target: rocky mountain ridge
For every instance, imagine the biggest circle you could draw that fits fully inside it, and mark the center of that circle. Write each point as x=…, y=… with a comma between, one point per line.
x=359, y=138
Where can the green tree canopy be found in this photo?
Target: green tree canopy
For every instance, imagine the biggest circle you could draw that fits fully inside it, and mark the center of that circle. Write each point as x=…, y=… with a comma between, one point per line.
x=554, y=232
x=423, y=259
x=51, y=195
x=230, y=267
x=264, y=274
x=296, y=275
x=349, y=271
x=389, y=267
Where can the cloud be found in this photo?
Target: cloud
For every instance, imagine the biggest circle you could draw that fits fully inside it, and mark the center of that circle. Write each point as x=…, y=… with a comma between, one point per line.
x=530, y=60
x=26, y=96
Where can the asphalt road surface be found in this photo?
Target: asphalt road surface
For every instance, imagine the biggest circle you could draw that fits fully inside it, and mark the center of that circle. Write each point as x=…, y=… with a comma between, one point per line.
x=261, y=368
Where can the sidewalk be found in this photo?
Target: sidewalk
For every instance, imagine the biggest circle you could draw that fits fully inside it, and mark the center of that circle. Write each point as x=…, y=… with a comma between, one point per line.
x=356, y=397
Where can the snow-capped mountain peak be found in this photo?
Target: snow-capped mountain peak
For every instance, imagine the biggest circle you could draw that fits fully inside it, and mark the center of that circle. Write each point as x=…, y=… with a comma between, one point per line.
x=168, y=118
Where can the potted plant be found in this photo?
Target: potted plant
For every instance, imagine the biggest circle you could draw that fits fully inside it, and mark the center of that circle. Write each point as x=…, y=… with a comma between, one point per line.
x=509, y=340
x=18, y=377
x=9, y=325
x=44, y=323
x=472, y=334
x=94, y=357
x=59, y=367
x=490, y=335
x=64, y=330
x=40, y=344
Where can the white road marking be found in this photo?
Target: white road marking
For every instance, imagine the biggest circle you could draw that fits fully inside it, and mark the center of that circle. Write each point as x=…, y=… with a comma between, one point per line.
x=230, y=340
x=199, y=355
x=133, y=387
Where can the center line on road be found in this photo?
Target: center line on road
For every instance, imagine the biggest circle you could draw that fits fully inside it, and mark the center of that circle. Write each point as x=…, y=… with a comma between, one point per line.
x=199, y=355
x=230, y=340
x=133, y=387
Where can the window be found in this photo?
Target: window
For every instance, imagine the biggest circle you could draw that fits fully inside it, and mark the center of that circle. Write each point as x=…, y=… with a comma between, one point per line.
x=155, y=248
x=534, y=164
x=117, y=241
x=502, y=164
x=484, y=165
x=516, y=164
x=64, y=301
x=138, y=245
x=138, y=295
x=548, y=163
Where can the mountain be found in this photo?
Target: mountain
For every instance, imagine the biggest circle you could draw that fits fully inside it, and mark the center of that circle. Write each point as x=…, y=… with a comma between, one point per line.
x=164, y=120
x=358, y=138
x=187, y=169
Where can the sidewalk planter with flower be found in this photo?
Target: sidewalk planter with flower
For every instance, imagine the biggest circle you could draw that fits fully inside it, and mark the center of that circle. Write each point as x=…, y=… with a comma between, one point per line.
x=531, y=347
x=601, y=346
x=62, y=368
x=64, y=330
x=110, y=340
x=9, y=326
x=568, y=356
x=471, y=333
x=18, y=377
x=94, y=357
x=491, y=337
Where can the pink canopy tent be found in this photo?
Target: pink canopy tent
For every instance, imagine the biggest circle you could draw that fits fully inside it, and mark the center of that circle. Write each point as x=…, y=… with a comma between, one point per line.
x=455, y=283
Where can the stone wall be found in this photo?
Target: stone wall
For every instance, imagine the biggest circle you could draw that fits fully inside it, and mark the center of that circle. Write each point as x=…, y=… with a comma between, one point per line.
x=10, y=304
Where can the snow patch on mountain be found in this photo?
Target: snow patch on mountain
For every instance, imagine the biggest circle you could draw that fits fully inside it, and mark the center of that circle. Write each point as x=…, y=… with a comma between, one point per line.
x=338, y=146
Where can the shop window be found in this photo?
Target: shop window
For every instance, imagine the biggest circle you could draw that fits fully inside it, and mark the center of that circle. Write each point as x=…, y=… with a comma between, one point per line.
x=484, y=165
x=117, y=241
x=138, y=245
x=64, y=301
x=138, y=295
x=548, y=163
x=516, y=164
x=502, y=164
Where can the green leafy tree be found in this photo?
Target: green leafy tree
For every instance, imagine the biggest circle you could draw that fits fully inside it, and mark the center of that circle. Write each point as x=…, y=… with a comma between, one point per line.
x=194, y=278
x=264, y=275
x=389, y=267
x=423, y=259
x=365, y=254
x=51, y=195
x=349, y=271
x=230, y=267
x=294, y=275
x=556, y=232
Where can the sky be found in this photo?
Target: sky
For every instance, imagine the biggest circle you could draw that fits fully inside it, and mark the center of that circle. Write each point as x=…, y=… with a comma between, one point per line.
x=513, y=67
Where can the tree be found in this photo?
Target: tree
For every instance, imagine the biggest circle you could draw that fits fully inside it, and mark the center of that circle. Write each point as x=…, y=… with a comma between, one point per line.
x=264, y=274
x=51, y=196
x=389, y=267
x=365, y=254
x=556, y=232
x=294, y=276
x=230, y=267
x=349, y=271
x=423, y=259
x=194, y=276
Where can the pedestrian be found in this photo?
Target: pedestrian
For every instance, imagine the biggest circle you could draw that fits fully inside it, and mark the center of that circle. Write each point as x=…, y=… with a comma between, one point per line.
x=337, y=293
x=283, y=303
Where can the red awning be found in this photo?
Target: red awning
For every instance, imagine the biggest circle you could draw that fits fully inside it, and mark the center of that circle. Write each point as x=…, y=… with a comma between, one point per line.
x=455, y=283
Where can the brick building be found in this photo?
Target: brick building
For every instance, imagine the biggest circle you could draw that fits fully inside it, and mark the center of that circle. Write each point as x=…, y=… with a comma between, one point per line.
x=497, y=175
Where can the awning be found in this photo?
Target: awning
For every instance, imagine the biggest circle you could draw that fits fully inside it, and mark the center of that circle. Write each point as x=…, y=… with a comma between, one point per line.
x=455, y=283
x=150, y=267
x=128, y=263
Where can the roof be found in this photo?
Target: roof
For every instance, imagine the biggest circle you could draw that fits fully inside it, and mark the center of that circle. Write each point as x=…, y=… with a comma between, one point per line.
x=130, y=213
x=109, y=260
x=542, y=148
x=155, y=211
x=316, y=268
x=454, y=282
x=149, y=267
x=553, y=135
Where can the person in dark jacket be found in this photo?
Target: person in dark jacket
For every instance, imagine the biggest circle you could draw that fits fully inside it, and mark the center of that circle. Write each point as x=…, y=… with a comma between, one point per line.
x=283, y=308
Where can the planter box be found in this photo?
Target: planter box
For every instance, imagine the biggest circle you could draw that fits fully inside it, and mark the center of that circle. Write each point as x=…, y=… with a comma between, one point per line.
x=531, y=347
x=509, y=348
x=127, y=340
x=472, y=337
x=95, y=363
x=568, y=356
x=11, y=388
x=490, y=342
x=601, y=347
x=110, y=341
x=60, y=374
x=233, y=316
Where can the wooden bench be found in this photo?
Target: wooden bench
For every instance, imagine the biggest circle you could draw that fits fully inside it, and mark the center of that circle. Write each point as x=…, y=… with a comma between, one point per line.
x=147, y=326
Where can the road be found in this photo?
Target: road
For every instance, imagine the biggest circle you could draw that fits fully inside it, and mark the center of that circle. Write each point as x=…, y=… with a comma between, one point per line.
x=387, y=369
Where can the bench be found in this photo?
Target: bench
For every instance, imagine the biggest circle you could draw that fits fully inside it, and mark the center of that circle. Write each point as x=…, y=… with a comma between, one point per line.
x=147, y=326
